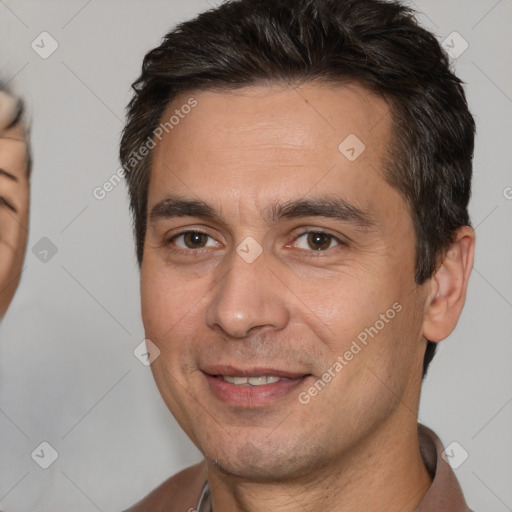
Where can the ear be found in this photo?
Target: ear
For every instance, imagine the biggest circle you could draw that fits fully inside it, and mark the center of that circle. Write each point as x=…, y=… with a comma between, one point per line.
x=448, y=287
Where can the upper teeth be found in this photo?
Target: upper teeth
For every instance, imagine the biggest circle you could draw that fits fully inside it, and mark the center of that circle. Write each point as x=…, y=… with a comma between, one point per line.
x=251, y=381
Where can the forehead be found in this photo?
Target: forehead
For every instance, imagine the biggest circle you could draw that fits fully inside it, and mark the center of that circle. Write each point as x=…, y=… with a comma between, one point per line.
x=294, y=114
x=273, y=141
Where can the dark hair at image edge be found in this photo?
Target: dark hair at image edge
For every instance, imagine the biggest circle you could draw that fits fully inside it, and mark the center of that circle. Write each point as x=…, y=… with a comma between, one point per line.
x=374, y=43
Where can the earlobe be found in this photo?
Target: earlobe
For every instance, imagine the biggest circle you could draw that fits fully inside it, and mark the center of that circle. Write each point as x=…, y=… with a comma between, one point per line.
x=448, y=287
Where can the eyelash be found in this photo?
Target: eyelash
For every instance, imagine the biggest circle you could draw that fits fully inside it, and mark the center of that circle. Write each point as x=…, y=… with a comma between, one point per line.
x=340, y=243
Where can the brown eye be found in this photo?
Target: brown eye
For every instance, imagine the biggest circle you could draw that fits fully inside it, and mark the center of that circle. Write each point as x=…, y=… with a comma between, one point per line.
x=317, y=240
x=192, y=240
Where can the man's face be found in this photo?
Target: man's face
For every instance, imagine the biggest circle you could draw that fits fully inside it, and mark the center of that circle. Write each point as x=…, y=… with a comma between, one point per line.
x=14, y=200
x=281, y=291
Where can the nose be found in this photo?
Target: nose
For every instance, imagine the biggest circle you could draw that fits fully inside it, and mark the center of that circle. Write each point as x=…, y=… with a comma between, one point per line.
x=249, y=296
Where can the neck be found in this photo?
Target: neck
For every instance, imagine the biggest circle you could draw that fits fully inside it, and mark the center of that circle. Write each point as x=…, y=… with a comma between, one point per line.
x=386, y=472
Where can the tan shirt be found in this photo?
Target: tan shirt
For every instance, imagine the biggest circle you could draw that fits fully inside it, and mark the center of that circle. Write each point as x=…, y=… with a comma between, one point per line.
x=187, y=491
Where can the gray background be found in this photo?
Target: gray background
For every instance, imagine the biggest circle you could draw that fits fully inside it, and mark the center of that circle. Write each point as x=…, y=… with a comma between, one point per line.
x=68, y=375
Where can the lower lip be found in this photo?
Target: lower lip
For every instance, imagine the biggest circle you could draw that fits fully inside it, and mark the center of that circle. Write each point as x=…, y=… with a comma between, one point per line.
x=252, y=396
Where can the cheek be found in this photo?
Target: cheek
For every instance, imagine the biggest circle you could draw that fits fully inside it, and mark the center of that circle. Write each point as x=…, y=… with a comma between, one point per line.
x=171, y=308
x=164, y=299
x=377, y=318
x=393, y=355
x=164, y=307
x=152, y=308
x=338, y=309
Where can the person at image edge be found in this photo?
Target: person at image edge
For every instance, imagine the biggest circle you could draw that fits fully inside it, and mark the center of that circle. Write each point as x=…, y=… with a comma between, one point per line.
x=15, y=168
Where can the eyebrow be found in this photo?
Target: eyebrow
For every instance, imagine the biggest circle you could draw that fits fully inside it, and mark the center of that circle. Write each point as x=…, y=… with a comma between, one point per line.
x=332, y=207
x=8, y=174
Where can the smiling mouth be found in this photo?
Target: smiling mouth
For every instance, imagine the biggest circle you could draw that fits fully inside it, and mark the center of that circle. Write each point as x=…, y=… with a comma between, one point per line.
x=254, y=381
x=252, y=388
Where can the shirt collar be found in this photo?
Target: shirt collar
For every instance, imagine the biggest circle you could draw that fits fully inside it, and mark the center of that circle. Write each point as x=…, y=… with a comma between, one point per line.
x=445, y=493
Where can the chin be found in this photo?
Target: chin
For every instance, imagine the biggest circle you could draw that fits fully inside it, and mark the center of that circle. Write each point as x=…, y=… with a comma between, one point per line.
x=264, y=465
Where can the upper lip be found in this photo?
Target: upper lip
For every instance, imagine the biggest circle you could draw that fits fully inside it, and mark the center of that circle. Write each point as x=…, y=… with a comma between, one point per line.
x=254, y=371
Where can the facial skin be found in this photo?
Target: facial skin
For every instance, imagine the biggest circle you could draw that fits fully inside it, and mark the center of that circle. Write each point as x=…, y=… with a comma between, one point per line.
x=14, y=201
x=295, y=308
